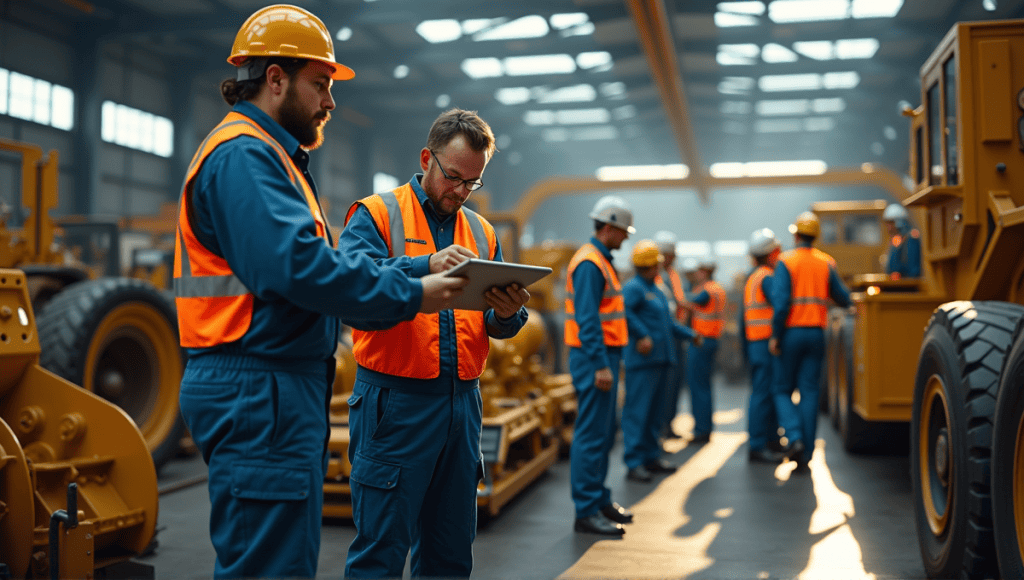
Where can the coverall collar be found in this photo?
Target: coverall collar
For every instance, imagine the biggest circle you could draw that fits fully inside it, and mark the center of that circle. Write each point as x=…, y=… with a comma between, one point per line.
x=601, y=248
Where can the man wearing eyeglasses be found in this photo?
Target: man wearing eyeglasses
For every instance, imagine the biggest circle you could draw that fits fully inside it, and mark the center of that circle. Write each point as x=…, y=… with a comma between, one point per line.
x=415, y=413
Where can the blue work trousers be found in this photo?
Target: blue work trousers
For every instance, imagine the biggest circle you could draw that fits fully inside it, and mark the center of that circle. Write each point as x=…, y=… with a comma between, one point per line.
x=262, y=429
x=645, y=391
x=673, y=386
x=799, y=368
x=700, y=364
x=415, y=468
x=761, y=417
x=593, y=435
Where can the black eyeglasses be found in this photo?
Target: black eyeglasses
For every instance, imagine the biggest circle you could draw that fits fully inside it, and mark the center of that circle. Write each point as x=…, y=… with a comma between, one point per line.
x=471, y=184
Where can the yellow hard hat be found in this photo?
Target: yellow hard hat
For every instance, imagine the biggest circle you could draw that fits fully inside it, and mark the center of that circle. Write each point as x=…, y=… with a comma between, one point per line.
x=646, y=254
x=286, y=31
x=806, y=224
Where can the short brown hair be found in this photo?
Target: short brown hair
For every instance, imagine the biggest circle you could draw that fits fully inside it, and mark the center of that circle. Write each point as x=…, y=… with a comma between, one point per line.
x=454, y=122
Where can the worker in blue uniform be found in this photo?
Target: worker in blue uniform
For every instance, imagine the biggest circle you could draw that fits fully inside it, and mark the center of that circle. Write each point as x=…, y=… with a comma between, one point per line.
x=258, y=288
x=755, y=328
x=596, y=332
x=805, y=279
x=650, y=356
x=706, y=304
x=904, y=259
x=415, y=412
x=672, y=286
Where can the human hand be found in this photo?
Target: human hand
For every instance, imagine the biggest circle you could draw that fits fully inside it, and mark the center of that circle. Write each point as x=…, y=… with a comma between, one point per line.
x=439, y=291
x=773, y=346
x=603, y=379
x=644, y=345
x=449, y=257
x=506, y=302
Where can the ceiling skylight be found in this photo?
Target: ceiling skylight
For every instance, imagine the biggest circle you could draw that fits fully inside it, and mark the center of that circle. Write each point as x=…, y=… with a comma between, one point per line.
x=574, y=94
x=786, y=11
x=773, y=53
x=785, y=107
x=616, y=90
x=642, y=172
x=572, y=24
x=732, y=14
x=856, y=48
x=840, y=80
x=481, y=68
x=624, y=112
x=735, y=108
x=833, y=105
x=539, y=65
x=583, y=116
x=819, y=124
x=533, y=26
x=768, y=168
x=816, y=49
x=539, y=118
x=742, y=54
x=736, y=85
x=755, y=8
x=778, y=126
x=808, y=81
x=512, y=95
x=344, y=34
x=603, y=132
x=435, y=31
x=875, y=8
x=599, y=61
x=474, y=25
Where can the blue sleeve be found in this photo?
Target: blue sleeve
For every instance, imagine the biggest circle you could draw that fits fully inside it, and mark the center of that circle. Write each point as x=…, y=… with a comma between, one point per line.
x=741, y=326
x=780, y=299
x=682, y=332
x=836, y=289
x=588, y=285
x=265, y=231
x=700, y=299
x=362, y=236
x=633, y=296
x=499, y=327
x=913, y=265
x=892, y=263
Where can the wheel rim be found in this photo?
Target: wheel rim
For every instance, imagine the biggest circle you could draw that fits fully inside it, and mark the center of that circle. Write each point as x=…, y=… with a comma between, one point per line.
x=935, y=457
x=1018, y=487
x=134, y=362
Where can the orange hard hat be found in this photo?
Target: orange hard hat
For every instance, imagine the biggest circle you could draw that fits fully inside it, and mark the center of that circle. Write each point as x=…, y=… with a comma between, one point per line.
x=286, y=31
x=646, y=254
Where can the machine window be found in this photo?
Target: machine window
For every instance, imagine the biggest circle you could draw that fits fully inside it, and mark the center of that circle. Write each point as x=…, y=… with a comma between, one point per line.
x=949, y=96
x=934, y=136
x=862, y=230
x=829, y=231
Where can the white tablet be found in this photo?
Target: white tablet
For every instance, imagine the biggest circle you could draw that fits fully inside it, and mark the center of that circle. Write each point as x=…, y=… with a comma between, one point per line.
x=486, y=274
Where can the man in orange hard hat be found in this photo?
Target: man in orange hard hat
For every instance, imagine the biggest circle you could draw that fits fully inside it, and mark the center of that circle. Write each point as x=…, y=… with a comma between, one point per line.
x=259, y=289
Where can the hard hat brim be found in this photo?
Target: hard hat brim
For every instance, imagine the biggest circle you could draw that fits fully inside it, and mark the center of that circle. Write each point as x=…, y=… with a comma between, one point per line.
x=341, y=72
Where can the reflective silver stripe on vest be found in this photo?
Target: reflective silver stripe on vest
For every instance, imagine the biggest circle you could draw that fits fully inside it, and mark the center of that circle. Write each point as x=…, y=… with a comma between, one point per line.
x=611, y=293
x=476, y=225
x=605, y=316
x=209, y=287
x=759, y=322
x=810, y=300
x=395, y=222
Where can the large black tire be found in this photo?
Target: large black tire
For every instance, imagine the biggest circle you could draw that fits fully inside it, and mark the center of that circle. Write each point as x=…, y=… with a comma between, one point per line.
x=118, y=337
x=1008, y=462
x=955, y=389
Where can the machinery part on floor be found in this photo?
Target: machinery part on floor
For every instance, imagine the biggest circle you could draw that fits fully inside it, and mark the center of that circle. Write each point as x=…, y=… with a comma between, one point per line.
x=337, y=492
x=118, y=338
x=53, y=433
x=951, y=435
x=1008, y=462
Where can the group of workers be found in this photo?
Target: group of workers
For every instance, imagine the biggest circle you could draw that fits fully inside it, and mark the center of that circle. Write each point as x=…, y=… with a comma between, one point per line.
x=261, y=285
x=643, y=323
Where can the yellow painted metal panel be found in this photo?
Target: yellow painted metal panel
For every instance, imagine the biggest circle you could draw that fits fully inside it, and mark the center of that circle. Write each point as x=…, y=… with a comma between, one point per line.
x=994, y=90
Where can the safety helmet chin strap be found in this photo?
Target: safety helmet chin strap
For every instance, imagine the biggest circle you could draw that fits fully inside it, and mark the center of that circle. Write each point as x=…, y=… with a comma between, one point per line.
x=251, y=69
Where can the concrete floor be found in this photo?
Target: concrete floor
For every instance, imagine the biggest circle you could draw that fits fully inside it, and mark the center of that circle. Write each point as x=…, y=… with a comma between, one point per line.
x=717, y=517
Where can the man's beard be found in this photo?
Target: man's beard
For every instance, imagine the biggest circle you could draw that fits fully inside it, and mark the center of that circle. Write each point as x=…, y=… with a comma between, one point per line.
x=294, y=120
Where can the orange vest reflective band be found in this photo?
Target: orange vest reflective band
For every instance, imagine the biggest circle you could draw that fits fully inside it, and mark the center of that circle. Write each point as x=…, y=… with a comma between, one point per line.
x=808, y=273
x=214, y=306
x=412, y=349
x=612, y=308
x=709, y=320
x=678, y=297
x=757, y=311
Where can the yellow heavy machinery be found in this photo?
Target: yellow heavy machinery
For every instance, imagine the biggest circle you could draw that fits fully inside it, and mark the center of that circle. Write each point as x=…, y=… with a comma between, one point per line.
x=961, y=322
x=115, y=336
x=78, y=489
x=853, y=233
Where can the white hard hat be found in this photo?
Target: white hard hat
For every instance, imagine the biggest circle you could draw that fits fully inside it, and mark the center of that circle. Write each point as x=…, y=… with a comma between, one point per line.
x=690, y=265
x=666, y=241
x=763, y=242
x=893, y=212
x=612, y=209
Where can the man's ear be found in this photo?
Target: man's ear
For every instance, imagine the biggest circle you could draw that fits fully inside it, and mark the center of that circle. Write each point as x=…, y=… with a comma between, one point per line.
x=276, y=79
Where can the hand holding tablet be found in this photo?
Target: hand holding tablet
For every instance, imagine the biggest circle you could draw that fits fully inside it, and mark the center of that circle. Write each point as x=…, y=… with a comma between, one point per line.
x=486, y=274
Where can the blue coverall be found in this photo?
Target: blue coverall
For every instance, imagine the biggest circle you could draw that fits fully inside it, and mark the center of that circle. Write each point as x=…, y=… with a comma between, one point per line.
x=647, y=316
x=676, y=373
x=257, y=407
x=905, y=259
x=803, y=353
x=762, y=420
x=415, y=443
x=700, y=365
x=594, y=433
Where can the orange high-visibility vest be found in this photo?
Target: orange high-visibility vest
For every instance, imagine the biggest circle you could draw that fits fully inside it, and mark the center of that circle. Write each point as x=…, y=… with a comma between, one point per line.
x=412, y=348
x=757, y=311
x=612, y=308
x=709, y=320
x=809, y=274
x=676, y=286
x=214, y=306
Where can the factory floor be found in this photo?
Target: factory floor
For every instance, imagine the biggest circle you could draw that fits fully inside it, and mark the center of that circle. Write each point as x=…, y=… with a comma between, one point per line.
x=718, y=516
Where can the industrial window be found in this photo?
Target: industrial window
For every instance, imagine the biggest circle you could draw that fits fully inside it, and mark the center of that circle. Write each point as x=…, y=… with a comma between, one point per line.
x=137, y=129
x=934, y=136
x=949, y=92
x=36, y=100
